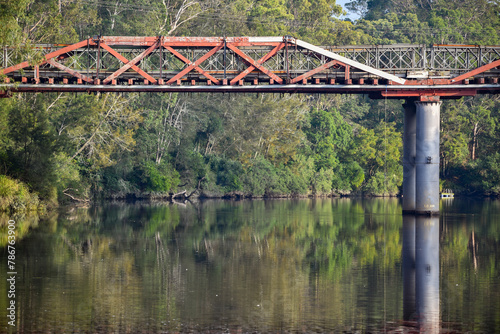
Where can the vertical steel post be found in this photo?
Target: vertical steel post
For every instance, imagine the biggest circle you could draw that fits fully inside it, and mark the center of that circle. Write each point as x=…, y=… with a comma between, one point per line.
x=409, y=153
x=424, y=57
x=427, y=273
x=225, y=55
x=433, y=56
x=98, y=57
x=287, y=60
x=37, y=74
x=161, y=55
x=427, y=158
x=88, y=56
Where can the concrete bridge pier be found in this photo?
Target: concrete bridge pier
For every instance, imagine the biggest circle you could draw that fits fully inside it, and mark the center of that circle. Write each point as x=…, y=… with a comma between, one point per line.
x=421, y=157
x=409, y=153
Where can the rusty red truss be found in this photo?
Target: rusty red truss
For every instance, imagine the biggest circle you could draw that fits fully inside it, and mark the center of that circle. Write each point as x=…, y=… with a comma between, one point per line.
x=252, y=64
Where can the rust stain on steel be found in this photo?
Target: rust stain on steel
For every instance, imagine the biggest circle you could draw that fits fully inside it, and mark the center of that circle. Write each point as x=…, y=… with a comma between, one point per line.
x=427, y=82
x=197, y=68
x=347, y=73
x=212, y=44
x=126, y=61
x=131, y=63
x=129, y=40
x=256, y=64
x=204, y=39
x=316, y=70
x=68, y=70
x=474, y=72
x=195, y=64
x=260, y=61
x=429, y=98
x=375, y=92
x=170, y=41
x=429, y=92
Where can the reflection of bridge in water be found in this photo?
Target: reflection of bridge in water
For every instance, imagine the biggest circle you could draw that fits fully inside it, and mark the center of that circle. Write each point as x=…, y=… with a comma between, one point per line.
x=422, y=75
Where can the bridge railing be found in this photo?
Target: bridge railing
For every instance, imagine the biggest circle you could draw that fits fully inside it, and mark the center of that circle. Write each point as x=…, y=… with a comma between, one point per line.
x=402, y=57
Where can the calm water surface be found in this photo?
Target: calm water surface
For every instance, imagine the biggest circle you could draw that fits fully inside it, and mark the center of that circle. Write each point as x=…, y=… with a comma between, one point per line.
x=340, y=265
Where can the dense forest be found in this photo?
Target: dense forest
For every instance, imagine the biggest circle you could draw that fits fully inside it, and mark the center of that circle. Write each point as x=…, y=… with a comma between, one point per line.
x=66, y=147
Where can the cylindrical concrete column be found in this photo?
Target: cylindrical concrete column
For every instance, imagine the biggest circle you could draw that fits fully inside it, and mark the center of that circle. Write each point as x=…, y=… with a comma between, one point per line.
x=409, y=153
x=427, y=273
x=427, y=158
x=408, y=256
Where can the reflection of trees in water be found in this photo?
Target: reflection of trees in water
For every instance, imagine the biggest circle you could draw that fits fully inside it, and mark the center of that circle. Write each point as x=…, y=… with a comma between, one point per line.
x=469, y=253
x=91, y=281
x=259, y=258
x=259, y=264
x=23, y=222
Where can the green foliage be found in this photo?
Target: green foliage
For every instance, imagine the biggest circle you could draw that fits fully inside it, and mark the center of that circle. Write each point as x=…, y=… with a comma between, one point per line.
x=378, y=152
x=55, y=21
x=31, y=146
x=382, y=184
x=348, y=177
x=228, y=173
x=328, y=134
x=394, y=28
x=262, y=179
x=440, y=22
x=10, y=12
x=80, y=146
x=16, y=197
x=322, y=181
x=470, y=139
x=301, y=172
x=157, y=178
x=489, y=169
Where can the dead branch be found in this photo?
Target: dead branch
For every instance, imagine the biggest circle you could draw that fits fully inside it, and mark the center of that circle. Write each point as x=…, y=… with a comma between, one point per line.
x=182, y=193
x=73, y=197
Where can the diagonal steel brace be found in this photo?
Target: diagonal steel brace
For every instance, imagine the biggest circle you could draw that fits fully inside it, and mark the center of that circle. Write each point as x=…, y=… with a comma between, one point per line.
x=316, y=70
x=194, y=65
x=260, y=61
x=131, y=63
x=197, y=68
x=68, y=70
x=254, y=63
x=126, y=61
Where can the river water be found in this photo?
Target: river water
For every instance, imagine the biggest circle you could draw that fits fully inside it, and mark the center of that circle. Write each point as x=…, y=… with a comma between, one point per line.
x=300, y=266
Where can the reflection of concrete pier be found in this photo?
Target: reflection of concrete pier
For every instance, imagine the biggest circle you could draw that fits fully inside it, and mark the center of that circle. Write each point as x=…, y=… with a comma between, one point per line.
x=421, y=271
x=408, y=254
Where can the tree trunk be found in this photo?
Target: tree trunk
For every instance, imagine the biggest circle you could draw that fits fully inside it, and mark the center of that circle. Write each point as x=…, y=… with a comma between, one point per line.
x=474, y=141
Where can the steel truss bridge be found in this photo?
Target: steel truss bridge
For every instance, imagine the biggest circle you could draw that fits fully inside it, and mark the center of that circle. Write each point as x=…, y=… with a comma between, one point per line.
x=419, y=74
x=251, y=64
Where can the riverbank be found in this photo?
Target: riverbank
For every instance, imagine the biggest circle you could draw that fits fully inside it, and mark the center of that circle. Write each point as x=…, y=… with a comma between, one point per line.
x=16, y=197
x=202, y=195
